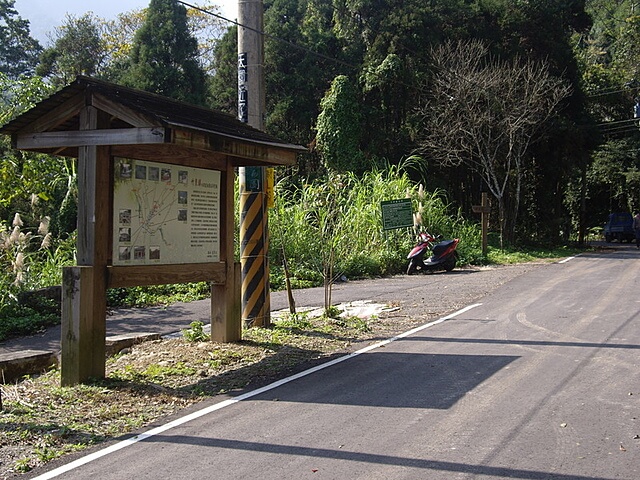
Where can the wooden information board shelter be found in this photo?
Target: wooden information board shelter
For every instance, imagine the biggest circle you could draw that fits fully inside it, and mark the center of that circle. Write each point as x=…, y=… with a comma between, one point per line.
x=155, y=202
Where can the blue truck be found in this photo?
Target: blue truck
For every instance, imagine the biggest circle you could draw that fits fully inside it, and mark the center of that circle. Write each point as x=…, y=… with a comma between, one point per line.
x=619, y=227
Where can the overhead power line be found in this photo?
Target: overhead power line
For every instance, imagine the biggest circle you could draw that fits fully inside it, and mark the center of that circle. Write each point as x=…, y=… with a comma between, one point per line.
x=294, y=45
x=272, y=37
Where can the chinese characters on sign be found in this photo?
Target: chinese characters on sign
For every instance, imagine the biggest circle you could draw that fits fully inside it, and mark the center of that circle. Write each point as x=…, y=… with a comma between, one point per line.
x=165, y=214
x=396, y=214
x=243, y=100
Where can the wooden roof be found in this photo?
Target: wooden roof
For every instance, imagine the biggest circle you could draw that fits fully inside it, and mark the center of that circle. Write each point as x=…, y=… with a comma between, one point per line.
x=143, y=125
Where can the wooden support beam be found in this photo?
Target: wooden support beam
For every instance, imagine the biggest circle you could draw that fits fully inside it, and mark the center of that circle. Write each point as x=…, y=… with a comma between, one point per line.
x=84, y=293
x=172, y=154
x=139, y=275
x=114, y=136
x=226, y=324
x=58, y=115
x=263, y=153
x=82, y=337
x=122, y=112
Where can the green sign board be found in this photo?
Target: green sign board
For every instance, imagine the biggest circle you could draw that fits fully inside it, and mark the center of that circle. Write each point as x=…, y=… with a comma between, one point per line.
x=397, y=214
x=253, y=179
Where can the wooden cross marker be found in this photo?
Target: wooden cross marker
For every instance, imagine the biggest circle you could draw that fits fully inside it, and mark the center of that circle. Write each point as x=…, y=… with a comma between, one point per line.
x=484, y=210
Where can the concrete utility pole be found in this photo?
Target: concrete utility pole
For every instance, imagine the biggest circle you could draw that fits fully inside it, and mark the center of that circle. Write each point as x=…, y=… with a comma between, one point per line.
x=254, y=240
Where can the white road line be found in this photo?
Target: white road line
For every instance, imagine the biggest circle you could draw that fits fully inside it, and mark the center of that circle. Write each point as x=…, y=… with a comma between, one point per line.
x=567, y=259
x=218, y=406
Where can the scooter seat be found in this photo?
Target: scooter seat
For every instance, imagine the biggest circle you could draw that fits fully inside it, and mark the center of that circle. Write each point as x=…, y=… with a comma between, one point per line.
x=440, y=248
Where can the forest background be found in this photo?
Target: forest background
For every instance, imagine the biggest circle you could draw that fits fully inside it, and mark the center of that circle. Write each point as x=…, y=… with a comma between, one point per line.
x=531, y=101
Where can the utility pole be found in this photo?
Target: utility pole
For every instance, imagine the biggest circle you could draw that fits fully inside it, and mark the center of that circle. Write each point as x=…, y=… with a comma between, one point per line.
x=254, y=240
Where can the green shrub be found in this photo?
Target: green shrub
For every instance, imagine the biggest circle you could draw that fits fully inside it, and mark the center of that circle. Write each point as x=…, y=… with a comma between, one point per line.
x=17, y=320
x=195, y=333
x=157, y=294
x=361, y=265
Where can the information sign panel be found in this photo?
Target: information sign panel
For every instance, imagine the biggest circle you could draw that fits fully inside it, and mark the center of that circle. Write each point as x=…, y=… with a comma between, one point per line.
x=397, y=214
x=165, y=214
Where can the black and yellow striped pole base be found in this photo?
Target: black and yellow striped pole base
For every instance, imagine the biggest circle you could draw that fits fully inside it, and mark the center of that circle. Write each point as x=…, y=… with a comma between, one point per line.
x=254, y=248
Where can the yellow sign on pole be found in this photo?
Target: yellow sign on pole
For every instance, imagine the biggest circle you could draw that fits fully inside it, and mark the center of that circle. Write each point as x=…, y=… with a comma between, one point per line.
x=270, y=181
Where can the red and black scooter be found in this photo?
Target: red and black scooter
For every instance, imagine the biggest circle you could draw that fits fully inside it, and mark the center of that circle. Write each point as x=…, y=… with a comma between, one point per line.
x=443, y=255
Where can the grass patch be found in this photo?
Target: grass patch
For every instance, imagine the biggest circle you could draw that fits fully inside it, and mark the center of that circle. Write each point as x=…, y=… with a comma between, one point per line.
x=508, y=256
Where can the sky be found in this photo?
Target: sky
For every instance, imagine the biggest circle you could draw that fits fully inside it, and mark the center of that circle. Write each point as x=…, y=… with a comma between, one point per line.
x=45, y=15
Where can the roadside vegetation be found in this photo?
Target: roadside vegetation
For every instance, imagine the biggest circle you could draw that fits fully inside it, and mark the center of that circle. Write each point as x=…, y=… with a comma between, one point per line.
x=308, y=220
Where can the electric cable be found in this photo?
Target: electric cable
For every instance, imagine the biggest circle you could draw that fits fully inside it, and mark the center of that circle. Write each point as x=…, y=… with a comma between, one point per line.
x=272, y=37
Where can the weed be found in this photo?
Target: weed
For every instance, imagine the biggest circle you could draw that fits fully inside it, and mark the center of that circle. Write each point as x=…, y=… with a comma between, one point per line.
x=293, y=321
x=22, y=465
x=196, y=333
x=332, y=312
x=46, y=454
x=358, y=324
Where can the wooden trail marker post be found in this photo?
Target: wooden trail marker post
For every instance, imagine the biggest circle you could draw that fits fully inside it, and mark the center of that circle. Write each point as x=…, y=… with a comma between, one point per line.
x=155, y=202
x=484, y=209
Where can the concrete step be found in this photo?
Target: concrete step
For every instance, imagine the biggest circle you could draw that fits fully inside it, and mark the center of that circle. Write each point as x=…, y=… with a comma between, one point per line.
x=15, y=365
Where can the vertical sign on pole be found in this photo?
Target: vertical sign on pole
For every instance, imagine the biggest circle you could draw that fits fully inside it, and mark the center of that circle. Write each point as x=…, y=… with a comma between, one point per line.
x=243, y=107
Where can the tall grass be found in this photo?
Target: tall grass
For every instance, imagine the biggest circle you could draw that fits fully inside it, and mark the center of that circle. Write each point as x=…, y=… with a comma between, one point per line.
x=344, y=215
x=29, y=259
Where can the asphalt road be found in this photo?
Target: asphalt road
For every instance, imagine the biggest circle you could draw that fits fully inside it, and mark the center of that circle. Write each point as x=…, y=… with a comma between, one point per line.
x=421, y=296
x=539, y=381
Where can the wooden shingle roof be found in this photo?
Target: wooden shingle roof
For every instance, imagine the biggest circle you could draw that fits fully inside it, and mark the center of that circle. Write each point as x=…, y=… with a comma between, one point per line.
x=145, y=122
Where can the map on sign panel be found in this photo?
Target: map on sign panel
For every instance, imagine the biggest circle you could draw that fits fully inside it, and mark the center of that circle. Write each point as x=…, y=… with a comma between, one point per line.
x=165, y=214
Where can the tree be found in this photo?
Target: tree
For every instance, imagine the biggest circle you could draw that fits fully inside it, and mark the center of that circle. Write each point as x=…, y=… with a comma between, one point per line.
x=297, y=78
x=613, y=178
x=610, y=74
x=223, y=84
x=208, y=31
x=78, y=49
x=30, y=183
x=18, y=51
x=119, y=34
x=163, y=58
x=485, y=113
x=388, y=42
x=338, y=129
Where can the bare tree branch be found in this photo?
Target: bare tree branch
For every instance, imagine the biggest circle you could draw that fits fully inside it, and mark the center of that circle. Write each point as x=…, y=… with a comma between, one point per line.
x=484, y=113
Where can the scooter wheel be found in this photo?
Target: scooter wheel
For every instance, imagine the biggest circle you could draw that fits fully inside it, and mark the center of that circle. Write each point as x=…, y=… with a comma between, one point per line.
x=412, y=267
x=450, y=264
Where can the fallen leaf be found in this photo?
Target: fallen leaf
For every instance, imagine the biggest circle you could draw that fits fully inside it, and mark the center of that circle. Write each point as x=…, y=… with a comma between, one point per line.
x=622, y=449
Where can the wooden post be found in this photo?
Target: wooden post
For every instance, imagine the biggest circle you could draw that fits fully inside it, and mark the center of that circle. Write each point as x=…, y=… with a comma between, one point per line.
x=484, y=209
x=78, y=339
x=84, y=292
x=226, y=324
